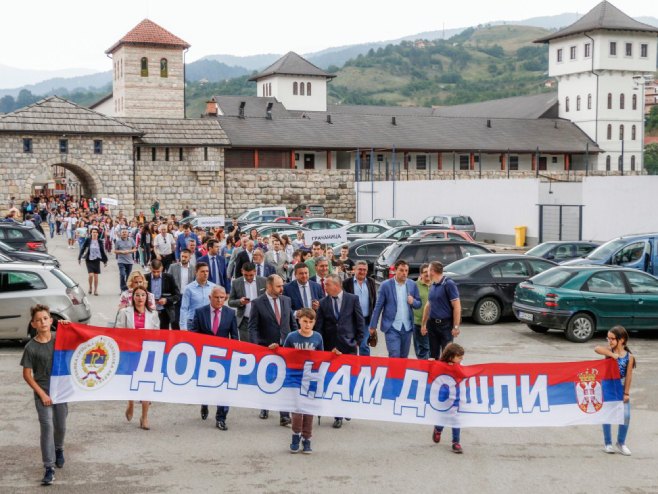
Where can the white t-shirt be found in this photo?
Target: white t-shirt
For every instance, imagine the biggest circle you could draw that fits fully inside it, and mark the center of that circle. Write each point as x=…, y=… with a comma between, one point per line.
x=163, y=244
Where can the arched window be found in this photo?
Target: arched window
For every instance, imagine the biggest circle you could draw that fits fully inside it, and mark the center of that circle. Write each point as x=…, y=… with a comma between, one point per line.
x=621, y=132
x=589, y=101
x=578, y=103
x=633, y=132
x=607, y=163
x=609, y=101
x=120, y=68
x=294, y=88
x=622, y=100
x=635, y=102
x=144, y=72
x=164, y=67
x=566, y=104
x=633, y=162
x=301, y=88
x=620, y=162
x=609, y=132
x=269, y=89
x=308, y=89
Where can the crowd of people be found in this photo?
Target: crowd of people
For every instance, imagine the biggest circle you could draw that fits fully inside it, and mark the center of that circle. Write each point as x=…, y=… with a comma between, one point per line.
x=269, y=291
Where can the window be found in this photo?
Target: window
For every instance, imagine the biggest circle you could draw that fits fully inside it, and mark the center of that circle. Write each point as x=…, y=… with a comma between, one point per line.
x=634, y=102
x=622, y=101
x=633, y=162
x=144, y=72
x=98, y=146
x=607, y=163
x=27, y=145
x=572, y=53
x=164, y=68
x=566, y=104
x=19, y=281
x=613, y=48
x=577, y=103
x=633, y=132
x=641, y=283
x=308, y=89
x=153, y=154
x=644, y=50
x=294, y=88
x=509, y=269
x=138, y=154
x=609, y=101
x=630, y=254
x=269, y=89
x=166, y=154
x=629, y=49
x=559, y=54
x=605, y=282
x=205, y=153
x=421, y=162
x=554, y=159
x=180, y=154
x=620, y=162
x=589, y=101
x=464, y=162
x=609, y=134
x=301, y=88
x=588, y=50
x=621, y=132
x=63, y=146
x=513, y=162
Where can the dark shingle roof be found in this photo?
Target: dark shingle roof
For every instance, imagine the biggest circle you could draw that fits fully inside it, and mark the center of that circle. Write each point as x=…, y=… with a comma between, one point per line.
x=179, y=132
x=59, y=116
x=292, y=64
x=534, y=106
x=379, y=110
x=603, y=16
x=148, y=32
x=254, y=106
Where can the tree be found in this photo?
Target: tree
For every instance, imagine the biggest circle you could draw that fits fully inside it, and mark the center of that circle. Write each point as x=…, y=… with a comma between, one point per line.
x=652, y=119
x=7, y=104
x=651, y=159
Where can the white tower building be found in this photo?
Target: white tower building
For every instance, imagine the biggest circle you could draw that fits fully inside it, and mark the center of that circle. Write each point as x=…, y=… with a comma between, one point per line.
x=601, y=62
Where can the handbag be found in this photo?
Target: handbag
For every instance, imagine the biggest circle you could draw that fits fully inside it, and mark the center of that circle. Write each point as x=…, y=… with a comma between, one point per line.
x=372, y=339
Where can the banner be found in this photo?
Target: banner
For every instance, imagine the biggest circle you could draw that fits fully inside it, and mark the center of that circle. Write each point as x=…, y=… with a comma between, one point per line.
x=332, y=236
x=209, y=221
x=92, y=364
x=109, y=201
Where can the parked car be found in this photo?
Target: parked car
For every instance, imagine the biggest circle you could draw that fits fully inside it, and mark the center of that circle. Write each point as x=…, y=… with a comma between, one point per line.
x=268, y=229
x=560, y=251
x=487, y=282
x=632, y=251
x=262, y=214
x=366, y=249
x=404, y=232
x=24, y=284
x=451, y=234
x=309, y=211
x=27, y=256
x=417, y=252
x=22, y=237
x=581, y=300
x=390, y=222
x=322, y=223
x=291, y=220
x=5, y=259
x=452, y=222
x=364, y=230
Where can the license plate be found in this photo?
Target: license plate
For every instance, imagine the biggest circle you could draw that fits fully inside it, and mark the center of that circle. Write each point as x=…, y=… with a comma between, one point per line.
x=525, y=316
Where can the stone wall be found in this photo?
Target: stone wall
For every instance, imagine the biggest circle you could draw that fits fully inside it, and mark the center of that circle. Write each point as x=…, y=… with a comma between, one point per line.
x=249, y=188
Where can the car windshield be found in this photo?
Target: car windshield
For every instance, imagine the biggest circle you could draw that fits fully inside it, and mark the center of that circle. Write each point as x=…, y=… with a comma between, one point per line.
x=394, y=223
x=606, y=250
x=6, y=247
x=467, y=265
x=553, y=278
x=64, y=278
x=540, y=250
x=462, y=220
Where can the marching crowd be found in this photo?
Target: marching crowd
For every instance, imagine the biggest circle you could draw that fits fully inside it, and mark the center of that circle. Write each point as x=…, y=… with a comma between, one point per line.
x=269, y=291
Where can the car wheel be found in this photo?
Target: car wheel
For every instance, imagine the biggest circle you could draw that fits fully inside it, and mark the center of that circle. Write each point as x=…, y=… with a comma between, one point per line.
x=487, y=311
x=580, y=328
x=538, y=329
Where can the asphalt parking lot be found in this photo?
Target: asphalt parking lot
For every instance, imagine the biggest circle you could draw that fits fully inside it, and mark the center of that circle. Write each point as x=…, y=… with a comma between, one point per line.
x=181, y=453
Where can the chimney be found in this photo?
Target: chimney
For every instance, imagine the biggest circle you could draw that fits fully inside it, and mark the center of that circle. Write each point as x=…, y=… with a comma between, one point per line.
x=268, y=111
x=488, y=123
x=211, y=107
x=393, y=121
x=241, y=110
x=329, y=119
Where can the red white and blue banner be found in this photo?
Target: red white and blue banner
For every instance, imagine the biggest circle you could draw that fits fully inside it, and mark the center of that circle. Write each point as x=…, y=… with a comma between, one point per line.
x=94, y=364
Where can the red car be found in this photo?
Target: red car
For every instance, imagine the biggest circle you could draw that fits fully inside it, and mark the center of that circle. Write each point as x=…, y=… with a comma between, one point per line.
x=291, y=220
x=449, y=234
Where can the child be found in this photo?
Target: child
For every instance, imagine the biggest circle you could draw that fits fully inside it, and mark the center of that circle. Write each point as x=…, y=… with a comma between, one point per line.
x=303, y=339
x=453, y=354
x=37, y=363
x=617, y=349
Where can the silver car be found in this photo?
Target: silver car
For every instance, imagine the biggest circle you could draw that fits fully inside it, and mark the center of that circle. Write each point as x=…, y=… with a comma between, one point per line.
x=452, y=222
x=23, y=285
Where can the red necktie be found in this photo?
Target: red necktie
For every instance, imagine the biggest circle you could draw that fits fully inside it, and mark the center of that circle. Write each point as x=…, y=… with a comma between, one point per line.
x=322, y=284
x=277, y=313
x=215, y=322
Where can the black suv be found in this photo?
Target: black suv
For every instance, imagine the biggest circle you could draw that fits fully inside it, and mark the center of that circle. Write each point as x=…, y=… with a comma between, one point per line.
x=419, y=251
x=27, y=256
x=22, y=237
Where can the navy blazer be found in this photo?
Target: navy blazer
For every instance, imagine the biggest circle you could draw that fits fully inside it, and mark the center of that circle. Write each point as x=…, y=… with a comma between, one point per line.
x=223, y=278
x=228, y=323
x=263, y=328
x=292, y=290
x=387, y=302
x=348, y=331
x=268, y=269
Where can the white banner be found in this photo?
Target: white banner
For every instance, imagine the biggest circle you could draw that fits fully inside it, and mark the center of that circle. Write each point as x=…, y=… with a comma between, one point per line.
x=109, y=201
x=333, y=236
x=209, y=221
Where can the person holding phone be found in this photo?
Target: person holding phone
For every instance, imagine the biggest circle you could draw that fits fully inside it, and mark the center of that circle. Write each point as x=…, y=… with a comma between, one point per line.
x=243, y=290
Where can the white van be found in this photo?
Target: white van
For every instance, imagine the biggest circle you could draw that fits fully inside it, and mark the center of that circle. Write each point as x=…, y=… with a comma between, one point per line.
x=262, y=214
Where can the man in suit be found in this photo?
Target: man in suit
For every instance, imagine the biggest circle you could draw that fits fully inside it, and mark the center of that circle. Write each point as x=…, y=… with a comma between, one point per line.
x=270, y=322
x=262, y=268
x=165, y=291
x=363, y=287
x=302, y=291
x=277, y=258
x=244, y=289
x=396, y=299
x=216, y=320
x=247, y=255
x=321, y=272
x=183, y=273
x=340, y=322
x=216, y=263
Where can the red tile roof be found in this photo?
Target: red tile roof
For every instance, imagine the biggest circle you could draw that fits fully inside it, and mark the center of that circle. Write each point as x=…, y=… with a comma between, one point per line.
x=148, y=32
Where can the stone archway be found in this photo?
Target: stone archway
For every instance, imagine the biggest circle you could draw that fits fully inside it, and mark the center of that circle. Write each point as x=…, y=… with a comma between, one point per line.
x=90, y=181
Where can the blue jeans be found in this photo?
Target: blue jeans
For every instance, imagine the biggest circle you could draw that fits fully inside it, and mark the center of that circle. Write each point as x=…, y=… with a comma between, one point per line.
x=623, y=429
x=421, y=344
x=398, y=343
x=51, y=227
x=364, y=349
x=456, y=432
x=124, y=272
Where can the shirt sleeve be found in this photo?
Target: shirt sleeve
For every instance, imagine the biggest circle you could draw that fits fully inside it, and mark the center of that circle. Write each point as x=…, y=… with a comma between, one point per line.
x=453, y=291
x=26, y=359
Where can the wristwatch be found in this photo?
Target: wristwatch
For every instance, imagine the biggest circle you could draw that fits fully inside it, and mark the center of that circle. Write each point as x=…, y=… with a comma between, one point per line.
x=455, y=327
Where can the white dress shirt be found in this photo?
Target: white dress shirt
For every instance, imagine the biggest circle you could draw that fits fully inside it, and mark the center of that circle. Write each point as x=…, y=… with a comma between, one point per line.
x=251, y=292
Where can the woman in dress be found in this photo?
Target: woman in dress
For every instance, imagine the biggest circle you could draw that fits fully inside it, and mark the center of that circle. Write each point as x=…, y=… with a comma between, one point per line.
x=93, y=253
x=138, y=316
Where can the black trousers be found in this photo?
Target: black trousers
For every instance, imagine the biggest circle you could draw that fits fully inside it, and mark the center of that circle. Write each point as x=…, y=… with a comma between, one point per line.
x=440, y=335
x=165, y=319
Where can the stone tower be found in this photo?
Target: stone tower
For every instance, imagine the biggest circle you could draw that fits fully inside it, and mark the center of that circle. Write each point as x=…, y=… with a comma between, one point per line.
x=600, y=63
x=149, y=73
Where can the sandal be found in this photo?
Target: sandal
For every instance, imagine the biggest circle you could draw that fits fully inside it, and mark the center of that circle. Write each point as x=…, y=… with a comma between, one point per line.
x=143, y=424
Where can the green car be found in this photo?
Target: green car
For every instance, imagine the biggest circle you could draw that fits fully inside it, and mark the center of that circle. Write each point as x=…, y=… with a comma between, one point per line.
x=583, y=299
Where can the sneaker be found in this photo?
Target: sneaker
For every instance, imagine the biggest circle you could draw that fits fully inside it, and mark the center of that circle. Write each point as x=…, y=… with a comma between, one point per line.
x=49, y=476
x=623, y=449
x=609, y=449
x=294, y=445
x=436, y=435
x=284, y=421
x=457, y=448
x=306, y=443
x=59, y=458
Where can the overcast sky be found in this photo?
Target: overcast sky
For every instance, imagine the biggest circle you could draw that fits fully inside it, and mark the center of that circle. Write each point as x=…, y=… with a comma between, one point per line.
x=46, y=34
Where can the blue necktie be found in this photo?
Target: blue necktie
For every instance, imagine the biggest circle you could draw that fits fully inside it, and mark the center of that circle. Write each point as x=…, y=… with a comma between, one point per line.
x=213, y=269
x=303, y=287
x=336, y=311
x=258, y=273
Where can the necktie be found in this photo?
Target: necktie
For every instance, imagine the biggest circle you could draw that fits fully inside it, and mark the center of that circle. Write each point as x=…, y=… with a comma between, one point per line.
x=212, y=269
x=258, y=273
x=277, y=313
x=215, y=322
x=322, y=285
x=276, y=257
x=336, y=311
x=214, y=261
x=303, y=287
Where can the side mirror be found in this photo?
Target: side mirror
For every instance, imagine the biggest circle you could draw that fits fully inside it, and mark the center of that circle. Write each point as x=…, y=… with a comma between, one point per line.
x=550, y=257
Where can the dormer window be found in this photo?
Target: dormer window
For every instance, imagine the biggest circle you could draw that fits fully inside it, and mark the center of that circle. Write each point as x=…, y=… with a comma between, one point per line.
x=144, y=67
x=164, y=68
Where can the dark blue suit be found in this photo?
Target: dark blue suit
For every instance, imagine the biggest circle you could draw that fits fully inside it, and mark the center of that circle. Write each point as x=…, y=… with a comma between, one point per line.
x=267, y=269
x=181, y=242
x=346, y=332
x=228, y=327
x=219, y=277
x=293, y=291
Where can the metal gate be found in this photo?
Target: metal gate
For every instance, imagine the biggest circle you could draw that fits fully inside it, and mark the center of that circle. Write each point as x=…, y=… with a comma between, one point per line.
x=560, y=222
